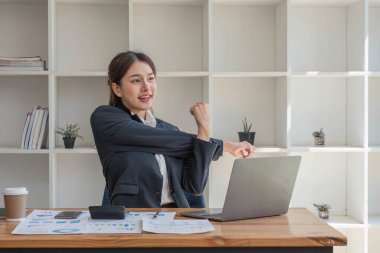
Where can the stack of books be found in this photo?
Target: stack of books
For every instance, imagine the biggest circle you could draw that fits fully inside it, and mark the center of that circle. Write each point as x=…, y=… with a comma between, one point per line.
x=21, y=63
x=35, y=131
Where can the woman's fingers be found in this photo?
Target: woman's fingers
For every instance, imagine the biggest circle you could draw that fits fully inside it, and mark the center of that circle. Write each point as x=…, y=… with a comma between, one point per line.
x=244, y=150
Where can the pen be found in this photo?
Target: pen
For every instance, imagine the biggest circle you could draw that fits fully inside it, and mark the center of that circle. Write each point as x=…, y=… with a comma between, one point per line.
x=156, y=215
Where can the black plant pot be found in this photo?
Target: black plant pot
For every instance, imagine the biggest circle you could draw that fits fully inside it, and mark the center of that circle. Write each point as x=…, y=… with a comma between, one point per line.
x=69, y=142
x=250, y=137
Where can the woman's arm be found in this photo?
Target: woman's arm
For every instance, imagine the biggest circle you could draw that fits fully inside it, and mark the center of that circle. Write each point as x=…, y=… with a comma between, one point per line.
x=114, y=129
x=196, y=169
x=202, y=117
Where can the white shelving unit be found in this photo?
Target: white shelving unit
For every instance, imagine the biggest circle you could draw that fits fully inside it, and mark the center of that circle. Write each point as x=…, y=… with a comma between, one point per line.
x=356, y=242
x=373, y=240
x=289, y=66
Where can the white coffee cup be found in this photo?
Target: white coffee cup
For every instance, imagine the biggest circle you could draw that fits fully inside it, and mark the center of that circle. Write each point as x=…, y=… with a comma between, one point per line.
x=15, y=203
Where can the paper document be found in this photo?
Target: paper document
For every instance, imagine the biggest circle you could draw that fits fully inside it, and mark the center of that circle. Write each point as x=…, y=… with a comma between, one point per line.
x=141, y=215
x=177, y=226
x=43, y=222
x=114, y=226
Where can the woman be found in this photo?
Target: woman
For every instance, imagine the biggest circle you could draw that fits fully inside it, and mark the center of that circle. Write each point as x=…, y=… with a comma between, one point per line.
x=148, y=162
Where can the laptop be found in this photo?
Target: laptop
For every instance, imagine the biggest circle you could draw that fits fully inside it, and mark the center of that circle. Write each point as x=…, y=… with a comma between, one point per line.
x=258, y=187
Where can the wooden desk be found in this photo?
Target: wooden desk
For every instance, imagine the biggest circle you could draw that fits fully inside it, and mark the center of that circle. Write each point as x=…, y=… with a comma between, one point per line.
x=297, y=231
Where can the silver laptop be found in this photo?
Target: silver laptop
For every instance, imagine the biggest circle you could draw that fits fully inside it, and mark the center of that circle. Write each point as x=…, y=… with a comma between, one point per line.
x=258, y=187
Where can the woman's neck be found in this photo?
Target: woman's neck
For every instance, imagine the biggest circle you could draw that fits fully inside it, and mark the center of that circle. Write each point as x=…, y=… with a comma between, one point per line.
x=141, y=114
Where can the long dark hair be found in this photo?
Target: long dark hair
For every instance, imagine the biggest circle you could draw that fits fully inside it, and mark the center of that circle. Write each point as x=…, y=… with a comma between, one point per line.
x=119, y=65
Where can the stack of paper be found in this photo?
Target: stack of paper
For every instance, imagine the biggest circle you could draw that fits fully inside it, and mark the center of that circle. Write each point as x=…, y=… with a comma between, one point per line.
x=21, y=63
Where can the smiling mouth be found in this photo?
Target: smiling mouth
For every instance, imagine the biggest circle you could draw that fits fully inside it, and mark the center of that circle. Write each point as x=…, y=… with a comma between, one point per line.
x=145, y=98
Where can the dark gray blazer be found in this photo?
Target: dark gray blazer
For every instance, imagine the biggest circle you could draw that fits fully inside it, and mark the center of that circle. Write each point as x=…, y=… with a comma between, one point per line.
x=126, y=149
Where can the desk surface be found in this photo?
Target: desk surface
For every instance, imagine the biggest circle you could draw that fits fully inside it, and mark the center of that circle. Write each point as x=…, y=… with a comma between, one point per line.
x=298, y=228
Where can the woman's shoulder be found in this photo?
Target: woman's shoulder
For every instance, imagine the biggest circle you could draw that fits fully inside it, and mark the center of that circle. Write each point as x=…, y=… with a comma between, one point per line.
x=107, y=112
x=106, y=108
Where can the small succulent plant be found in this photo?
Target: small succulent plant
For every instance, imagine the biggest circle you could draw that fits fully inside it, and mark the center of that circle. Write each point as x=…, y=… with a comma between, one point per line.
x=319, y=133
x=322, y=207
x=245, y=125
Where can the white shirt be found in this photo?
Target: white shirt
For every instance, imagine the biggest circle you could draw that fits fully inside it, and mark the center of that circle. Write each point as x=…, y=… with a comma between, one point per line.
x=166, y=196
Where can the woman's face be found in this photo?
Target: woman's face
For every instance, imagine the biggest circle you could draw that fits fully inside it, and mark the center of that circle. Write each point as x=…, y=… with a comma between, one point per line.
x=138, y=88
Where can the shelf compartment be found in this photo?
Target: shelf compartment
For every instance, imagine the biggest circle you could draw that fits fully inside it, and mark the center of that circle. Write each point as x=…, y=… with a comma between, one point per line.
x=77, y=98
x=17, y=97
x=343, y=221
x=332, y=43
x=334, y=104
x=374, y=36
x=31, y=171
x=373, y=187
x=249, y=74
x=183, y=74
x=269, y=149
x=261, y=100
x=80, y=73
x=373, y=240
x=356, y=240
x=327, y=74
x=336, y=179
x=24, y=73
x=78, y=169
x=175, y=36
x=373, y=111
x=31, y=36
x=92, y=2
x=18, y=150
x=250, y=37
x=81, y=150
x=174, y=98
x=104, y=74
x=325, y=149
x=374, y=148
x=81, y=29
x=374, y=221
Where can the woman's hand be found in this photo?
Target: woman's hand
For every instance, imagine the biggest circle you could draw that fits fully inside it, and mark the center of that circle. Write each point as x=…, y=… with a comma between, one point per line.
x=202, y=117
x=239, y=149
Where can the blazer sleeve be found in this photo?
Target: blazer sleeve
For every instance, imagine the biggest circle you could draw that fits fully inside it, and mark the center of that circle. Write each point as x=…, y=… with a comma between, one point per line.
x=196, y=169
x=118, y=132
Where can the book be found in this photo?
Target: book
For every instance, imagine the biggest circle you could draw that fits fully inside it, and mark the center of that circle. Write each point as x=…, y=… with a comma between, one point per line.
x=33, y=129
x=27, y=138
x=38, y=128
x=32, y=58
x=28, y=116
x=44, y=130
x=10, y=68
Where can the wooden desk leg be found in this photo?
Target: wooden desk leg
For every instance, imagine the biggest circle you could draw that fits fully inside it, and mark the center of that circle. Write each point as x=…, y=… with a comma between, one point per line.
x=177, y=250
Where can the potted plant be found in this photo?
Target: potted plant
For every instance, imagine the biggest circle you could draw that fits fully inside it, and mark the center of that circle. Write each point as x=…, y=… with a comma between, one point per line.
x=69, y=134
x=323, y=210
x=246, y=135
x=319, y=138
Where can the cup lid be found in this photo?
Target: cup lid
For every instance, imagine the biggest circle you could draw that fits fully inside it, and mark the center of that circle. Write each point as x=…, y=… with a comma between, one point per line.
x=15, y=191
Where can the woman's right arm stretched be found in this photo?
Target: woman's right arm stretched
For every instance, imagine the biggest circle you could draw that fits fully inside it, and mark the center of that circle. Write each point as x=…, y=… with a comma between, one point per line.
x=114, y=129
